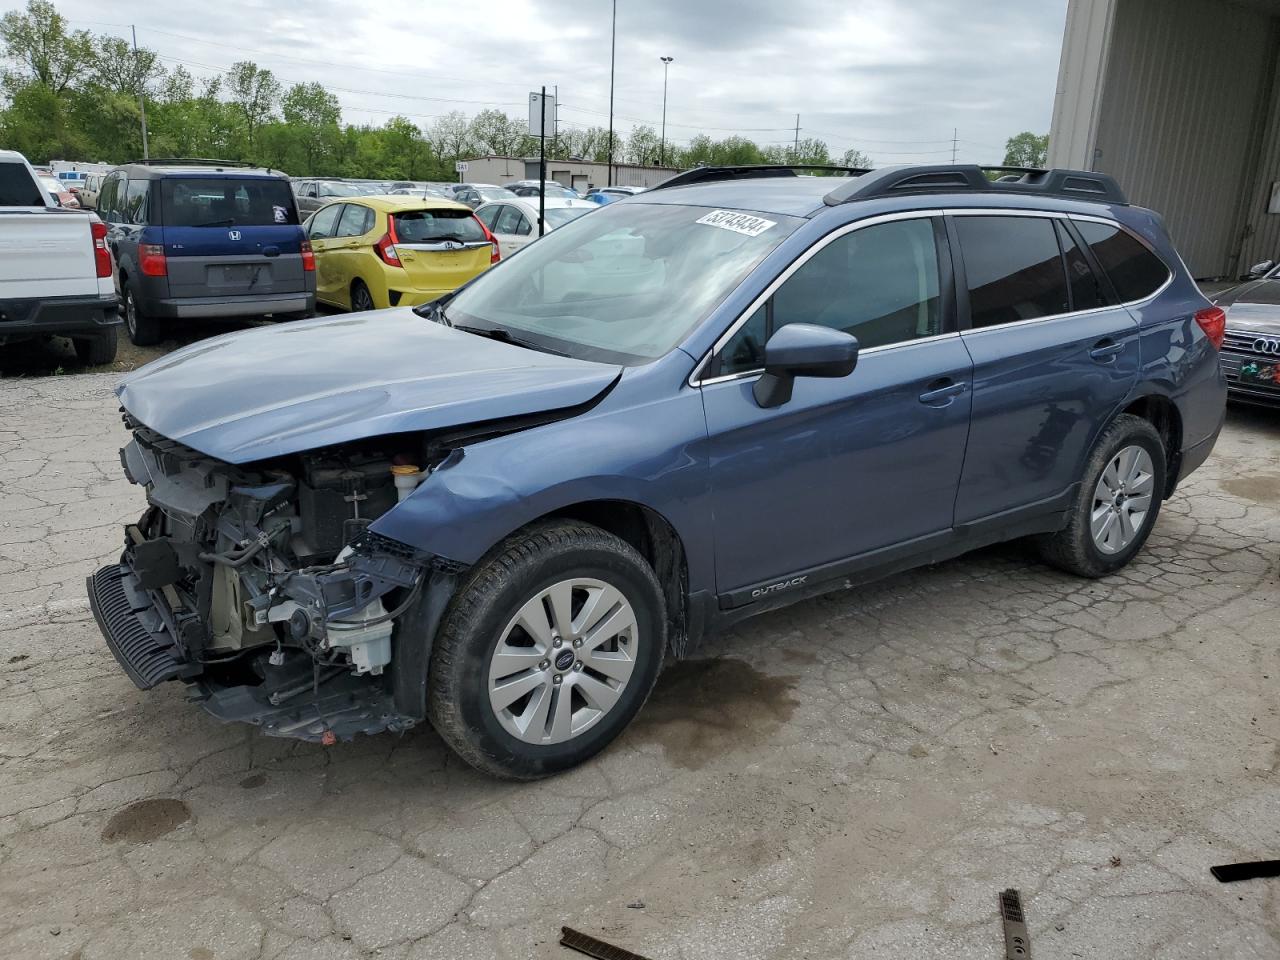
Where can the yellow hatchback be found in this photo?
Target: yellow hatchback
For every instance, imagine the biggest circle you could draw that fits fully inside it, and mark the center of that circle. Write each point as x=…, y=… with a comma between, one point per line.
x=374, y=252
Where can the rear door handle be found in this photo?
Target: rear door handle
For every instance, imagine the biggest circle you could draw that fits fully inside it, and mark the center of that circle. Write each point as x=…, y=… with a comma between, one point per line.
x=1104, y=351
x=942, y=392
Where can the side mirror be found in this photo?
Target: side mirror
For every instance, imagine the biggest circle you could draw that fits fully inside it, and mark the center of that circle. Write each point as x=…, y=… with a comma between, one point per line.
x=1258, y=269
x=803, y=350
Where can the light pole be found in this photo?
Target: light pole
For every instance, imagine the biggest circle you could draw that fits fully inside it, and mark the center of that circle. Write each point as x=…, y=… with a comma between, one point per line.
x=662, y=149
x=613, y=59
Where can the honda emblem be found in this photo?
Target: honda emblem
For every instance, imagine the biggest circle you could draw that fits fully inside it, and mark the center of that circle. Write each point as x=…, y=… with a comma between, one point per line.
x=233, y=234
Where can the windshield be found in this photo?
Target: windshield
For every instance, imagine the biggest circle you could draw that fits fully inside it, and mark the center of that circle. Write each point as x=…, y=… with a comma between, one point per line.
x=558, y=216
x=227, y=202
x=331, y=189
x=625, y=284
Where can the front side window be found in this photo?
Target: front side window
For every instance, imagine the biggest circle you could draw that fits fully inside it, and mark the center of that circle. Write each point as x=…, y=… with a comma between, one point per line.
x=880, y=283
x=1135, y=271
x=625, y=284
x=1014, y=269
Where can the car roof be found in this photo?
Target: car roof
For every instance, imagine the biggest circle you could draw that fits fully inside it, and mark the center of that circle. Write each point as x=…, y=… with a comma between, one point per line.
x=788, y=196
x=550, y=203
x=151, y=171
x=391, y=203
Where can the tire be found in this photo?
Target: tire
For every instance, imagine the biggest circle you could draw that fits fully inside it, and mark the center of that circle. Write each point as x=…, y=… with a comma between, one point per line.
x=1075, y=548
x=142, y=329
x=502, y=593
x=361, y=298
x=97, y=349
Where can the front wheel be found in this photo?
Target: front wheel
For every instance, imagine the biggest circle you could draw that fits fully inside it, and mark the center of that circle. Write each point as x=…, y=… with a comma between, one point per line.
x=548, y=651
x=1118, y=501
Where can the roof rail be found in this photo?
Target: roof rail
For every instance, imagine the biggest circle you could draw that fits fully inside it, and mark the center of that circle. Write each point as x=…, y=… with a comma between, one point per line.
x=751, y=172
x=202, y=161
x=972, y=178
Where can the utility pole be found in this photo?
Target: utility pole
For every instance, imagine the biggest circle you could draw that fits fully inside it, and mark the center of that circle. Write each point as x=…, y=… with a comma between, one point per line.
x=542, y=165
x=555, y=122
x=613, y=60
x=955, y=133
x=142, y=103
x=795, y=149
x=662, y=148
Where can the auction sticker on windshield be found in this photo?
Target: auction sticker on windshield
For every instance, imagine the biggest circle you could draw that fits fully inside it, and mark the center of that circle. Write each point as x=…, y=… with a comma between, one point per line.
x=737, y=222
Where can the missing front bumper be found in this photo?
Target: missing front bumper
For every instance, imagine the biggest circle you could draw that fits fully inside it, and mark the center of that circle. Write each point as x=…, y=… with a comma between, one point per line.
x=135, y=633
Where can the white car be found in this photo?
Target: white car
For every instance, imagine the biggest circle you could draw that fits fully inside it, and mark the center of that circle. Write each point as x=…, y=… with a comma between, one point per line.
x=55, y=267
x=515, y=222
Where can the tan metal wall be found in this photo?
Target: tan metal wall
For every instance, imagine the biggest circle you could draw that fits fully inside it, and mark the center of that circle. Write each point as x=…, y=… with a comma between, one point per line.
x=1261, y=230
x=1080, y=74
x=1182, y=117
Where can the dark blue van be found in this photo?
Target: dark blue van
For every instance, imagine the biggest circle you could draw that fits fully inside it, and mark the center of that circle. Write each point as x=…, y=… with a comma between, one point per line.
x=205, y=239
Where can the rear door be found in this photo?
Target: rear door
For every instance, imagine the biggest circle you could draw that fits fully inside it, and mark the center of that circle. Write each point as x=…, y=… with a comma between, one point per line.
x=230, y=236
x=440, y=248
x=1053, y=359
x=514, y=230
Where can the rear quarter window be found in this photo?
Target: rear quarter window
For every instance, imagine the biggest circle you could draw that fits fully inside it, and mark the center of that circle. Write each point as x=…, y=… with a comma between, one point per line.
x=227, y=202
x=1135, y=271
x=17, y=188
x=428, y=226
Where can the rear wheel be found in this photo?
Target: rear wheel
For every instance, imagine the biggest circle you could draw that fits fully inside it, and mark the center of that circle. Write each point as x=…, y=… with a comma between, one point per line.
x=1118, y=501
x=548, y=651
x=361, y=298
x=97, y=349
x=142, y=329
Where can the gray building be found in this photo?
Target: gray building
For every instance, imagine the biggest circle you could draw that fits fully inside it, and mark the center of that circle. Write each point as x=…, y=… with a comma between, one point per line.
x=1180, y=101
x=579, y=175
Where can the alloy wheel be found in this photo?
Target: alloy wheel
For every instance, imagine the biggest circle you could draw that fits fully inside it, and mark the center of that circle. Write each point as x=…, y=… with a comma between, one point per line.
x=563, y=661
x=1122, y=499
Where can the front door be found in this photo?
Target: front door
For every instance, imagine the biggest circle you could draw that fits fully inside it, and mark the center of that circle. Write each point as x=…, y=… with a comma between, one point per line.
x=320, y=231
x=853, y=470
x=1053, y=360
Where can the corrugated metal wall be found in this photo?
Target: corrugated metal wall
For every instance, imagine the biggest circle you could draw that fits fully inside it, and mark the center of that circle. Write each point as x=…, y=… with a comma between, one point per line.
x=1261, y=230
x=1182, y=117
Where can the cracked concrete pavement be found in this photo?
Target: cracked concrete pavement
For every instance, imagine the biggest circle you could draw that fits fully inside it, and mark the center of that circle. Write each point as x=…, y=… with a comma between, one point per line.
x=856, y=775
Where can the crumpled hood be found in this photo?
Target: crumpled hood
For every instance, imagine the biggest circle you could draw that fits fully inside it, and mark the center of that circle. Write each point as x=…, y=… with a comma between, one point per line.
x=281, y=389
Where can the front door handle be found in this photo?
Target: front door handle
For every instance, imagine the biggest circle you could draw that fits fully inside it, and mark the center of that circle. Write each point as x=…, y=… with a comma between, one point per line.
x=941, y=392
x=1104, y=351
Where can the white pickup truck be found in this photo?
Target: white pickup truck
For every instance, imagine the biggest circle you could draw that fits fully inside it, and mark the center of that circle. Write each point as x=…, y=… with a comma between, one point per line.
x=55, y=268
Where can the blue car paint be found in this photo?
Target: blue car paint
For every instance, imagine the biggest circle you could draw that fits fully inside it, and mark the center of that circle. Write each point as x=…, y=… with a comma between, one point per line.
x=209, y=242
x=746, y=507
x=276, y=390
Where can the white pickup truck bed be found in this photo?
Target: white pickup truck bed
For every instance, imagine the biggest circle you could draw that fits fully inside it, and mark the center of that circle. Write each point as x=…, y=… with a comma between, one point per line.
x=50, y=268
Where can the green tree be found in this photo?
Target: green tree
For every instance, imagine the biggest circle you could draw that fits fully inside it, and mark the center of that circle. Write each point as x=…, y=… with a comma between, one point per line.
x=312, y=113
x=39, y=42
x=116, y=67
x=855, y=158
x=1026, y=149
x=450, y=138
x=254, y=92
x=492, y=131
x=642, y=146
x=37, y=125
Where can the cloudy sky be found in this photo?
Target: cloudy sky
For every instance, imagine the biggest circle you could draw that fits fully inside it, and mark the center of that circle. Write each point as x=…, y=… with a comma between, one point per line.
x=894, y=78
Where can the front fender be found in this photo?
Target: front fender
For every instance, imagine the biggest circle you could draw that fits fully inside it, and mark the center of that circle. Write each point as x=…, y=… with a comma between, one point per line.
x=652, y=454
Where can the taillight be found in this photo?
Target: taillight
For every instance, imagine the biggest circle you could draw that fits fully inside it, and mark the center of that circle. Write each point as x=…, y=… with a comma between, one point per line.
x=308, y=257
x=1213, y=321
x=385, y=248
x=101, y=255
x=151, y=260
x=496, y=254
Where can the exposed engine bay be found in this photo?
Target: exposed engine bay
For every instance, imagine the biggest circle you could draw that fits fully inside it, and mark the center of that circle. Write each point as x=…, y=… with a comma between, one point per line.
x=262, y=586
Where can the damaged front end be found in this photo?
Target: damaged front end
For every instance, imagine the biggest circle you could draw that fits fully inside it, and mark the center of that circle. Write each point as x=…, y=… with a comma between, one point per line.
x=261, y=586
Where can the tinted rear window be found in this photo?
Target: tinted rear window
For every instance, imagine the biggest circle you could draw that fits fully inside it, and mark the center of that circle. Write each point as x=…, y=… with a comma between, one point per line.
x=17, y=188
x=227, y=202
x=1014, y=269
x=428, y=226
x=1135, y=271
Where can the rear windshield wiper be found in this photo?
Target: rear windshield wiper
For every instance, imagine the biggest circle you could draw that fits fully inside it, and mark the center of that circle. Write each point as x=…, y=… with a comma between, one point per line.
x=215, y=223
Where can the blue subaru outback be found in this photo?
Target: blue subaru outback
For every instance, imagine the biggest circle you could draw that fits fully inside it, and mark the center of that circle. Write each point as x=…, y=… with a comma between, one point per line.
x=501, y=511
